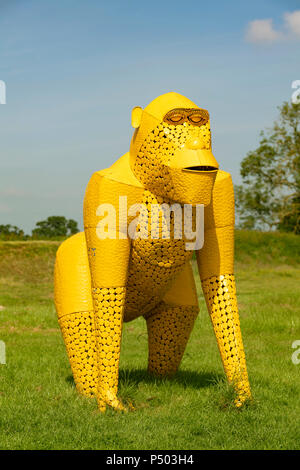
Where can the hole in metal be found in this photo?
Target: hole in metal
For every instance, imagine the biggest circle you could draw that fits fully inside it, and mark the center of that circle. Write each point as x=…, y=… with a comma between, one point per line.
x=201, y=168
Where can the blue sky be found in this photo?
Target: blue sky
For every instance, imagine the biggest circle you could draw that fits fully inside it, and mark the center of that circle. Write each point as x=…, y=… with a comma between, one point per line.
x=74, y=69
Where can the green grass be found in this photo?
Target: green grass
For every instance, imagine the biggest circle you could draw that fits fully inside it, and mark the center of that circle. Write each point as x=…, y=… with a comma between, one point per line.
x=40, y=408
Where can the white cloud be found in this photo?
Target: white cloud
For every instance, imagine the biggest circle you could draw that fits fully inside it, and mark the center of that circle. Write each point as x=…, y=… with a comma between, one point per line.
x=13, y=192
x=292, y=21
x=263, y=31
x=4, y=209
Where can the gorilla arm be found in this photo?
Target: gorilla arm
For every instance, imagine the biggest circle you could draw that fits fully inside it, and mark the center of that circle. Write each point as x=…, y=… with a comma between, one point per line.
x=108, y=260
x=215, y=264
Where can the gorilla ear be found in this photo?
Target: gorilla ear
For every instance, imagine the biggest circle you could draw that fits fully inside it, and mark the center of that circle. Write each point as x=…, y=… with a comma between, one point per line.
x=136, y=116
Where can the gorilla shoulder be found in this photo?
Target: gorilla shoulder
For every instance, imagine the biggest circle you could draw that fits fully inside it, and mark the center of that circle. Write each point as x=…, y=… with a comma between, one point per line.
x=120, y=171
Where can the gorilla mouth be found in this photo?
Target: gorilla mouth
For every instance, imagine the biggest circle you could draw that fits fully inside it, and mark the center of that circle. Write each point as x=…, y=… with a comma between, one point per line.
x=200, y=168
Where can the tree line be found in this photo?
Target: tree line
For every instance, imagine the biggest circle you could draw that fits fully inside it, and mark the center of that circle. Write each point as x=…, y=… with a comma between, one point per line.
x=54, y=227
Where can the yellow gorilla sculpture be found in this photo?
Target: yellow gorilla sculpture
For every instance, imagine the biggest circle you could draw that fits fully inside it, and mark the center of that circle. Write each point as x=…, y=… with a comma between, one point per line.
x=101, y=281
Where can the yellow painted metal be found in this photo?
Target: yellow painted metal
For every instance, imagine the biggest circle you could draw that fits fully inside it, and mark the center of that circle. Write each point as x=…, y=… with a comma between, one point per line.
x=221, y=302
x=100, y=283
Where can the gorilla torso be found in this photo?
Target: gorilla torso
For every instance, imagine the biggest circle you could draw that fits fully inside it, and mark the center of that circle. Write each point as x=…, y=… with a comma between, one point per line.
x=153, y=265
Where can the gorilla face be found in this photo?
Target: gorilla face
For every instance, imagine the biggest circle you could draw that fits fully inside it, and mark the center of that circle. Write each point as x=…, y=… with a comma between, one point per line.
x=174, y=159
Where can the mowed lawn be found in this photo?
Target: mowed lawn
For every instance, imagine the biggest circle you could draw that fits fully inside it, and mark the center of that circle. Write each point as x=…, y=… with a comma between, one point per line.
x=39, y=405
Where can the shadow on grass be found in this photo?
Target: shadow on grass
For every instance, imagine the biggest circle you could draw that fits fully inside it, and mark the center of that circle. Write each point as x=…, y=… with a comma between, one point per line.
x=70, y=380
x=185, y=378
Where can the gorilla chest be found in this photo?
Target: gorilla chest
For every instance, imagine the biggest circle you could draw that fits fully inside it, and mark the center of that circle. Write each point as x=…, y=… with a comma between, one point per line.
x=158, y=254
x=162, y=256
x=153, y=267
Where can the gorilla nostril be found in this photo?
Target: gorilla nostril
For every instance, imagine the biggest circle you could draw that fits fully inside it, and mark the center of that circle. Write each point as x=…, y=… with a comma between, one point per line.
x=193, y=144
x=200, y=168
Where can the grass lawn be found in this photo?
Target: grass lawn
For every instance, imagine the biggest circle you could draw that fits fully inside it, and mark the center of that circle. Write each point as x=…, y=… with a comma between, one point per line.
x=40, y=408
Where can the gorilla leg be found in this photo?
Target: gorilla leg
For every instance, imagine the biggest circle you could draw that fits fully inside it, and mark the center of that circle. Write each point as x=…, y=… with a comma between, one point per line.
x=169, y=328
x=170, y=324
x=74, y=306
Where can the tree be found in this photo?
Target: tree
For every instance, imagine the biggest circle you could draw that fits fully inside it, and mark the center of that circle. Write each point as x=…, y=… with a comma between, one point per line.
x=11, y=232
x=270, y=195
x=55, y=226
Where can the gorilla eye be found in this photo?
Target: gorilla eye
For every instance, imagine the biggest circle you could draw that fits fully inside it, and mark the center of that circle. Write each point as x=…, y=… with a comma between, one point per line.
x=176, y=118
x=199, y=117
x=195, y=118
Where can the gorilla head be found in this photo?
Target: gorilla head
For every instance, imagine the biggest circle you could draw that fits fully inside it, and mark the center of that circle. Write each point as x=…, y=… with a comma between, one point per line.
x=170, y=152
